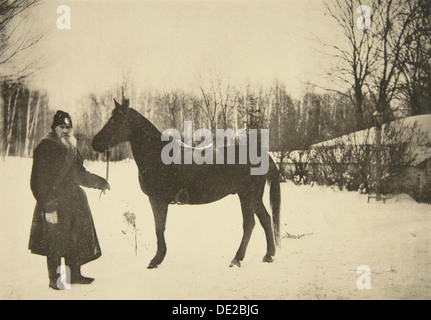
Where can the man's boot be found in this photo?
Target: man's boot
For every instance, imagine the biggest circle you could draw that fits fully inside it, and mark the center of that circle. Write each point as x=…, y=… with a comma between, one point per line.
x=75, y=272
x=54, y=277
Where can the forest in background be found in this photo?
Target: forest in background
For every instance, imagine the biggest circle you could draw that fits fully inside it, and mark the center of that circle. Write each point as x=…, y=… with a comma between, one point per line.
x=294, y=124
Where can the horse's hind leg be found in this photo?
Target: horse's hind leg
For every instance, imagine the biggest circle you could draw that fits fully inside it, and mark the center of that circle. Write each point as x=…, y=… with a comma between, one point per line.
x=248, y=225
x=160, y=211
x=265, y=221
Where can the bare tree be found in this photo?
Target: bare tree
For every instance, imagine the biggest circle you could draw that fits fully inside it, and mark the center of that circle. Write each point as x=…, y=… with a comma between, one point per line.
x=174, y=102
x=11, y=45
x=415, y=62
x=12, y=110
x=218, y=98
x=372, y=57
x=31, y=124
x=145, y=104
x=392, y=20
x=14, y=41
x=356, y=59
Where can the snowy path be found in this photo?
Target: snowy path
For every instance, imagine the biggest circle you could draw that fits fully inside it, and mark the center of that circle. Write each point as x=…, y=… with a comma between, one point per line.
x=327, y=235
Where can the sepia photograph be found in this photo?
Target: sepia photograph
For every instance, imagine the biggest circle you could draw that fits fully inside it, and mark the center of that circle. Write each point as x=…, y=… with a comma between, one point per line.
x=217, y=154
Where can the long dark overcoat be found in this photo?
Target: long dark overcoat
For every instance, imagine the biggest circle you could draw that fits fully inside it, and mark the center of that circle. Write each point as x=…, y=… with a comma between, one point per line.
x=56, y=177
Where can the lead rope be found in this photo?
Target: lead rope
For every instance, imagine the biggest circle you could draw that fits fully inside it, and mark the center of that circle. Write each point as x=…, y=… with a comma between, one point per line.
x=107, y=154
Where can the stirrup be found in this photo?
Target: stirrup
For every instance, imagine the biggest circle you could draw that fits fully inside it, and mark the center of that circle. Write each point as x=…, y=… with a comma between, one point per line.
x=182, y=197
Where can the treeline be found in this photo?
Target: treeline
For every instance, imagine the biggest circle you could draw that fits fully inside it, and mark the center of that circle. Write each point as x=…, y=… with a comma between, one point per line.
x=25, y=118
x=292, y=123
x=24, y=112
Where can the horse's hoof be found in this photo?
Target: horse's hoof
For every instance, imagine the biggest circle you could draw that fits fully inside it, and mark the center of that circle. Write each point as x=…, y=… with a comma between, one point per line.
x=235, y=262
x=268, y=259
x=152, y=266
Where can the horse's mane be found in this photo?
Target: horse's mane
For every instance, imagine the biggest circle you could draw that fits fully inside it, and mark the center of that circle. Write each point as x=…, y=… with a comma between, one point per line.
x=145, y=124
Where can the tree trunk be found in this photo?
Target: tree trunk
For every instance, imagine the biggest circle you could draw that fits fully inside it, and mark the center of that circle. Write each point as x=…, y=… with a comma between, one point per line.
x=2, y=122
x=32, y=132
x=27, y=125
x=11, y=122
x=359, y=113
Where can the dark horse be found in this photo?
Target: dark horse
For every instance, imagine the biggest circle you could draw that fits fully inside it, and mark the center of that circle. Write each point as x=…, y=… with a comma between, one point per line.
x=191, y=183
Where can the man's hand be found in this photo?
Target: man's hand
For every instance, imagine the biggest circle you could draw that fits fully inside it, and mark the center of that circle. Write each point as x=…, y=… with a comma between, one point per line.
x=51, y=217
x=105, y=186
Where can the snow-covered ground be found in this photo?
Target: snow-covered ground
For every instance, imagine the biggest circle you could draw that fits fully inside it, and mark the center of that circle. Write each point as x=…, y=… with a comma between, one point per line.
x=327, y=235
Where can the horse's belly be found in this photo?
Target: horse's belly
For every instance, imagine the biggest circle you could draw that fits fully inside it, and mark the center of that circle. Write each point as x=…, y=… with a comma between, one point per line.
x=207, y=196
x=205, y=187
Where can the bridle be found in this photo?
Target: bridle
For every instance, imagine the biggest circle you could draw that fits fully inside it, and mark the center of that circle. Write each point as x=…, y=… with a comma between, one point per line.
x=107, y=151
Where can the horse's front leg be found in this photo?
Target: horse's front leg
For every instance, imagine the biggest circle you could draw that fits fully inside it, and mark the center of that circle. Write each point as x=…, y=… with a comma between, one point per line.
x=160, y=211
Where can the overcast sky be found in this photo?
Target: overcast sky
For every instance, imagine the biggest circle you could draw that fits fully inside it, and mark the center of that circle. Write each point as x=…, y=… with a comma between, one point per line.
x=167, y=44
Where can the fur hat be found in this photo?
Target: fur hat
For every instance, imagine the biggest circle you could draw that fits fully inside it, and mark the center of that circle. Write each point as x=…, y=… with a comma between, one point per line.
x=60, y=118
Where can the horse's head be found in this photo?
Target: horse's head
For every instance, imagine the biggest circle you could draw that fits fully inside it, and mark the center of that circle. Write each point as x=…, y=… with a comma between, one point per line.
x=116, y=130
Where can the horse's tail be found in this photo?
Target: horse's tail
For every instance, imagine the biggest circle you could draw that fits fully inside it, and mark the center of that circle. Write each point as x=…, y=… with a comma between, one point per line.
x=275, y=199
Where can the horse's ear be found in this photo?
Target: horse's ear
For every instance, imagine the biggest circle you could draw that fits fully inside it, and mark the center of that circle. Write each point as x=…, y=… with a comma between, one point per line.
x=117, y=105
x=126, y=103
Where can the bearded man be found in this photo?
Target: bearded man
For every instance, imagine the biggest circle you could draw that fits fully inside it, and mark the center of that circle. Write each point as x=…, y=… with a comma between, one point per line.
x=62, y=222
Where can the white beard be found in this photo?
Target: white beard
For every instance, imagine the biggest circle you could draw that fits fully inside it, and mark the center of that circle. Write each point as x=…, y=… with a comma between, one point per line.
x=69, y=142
